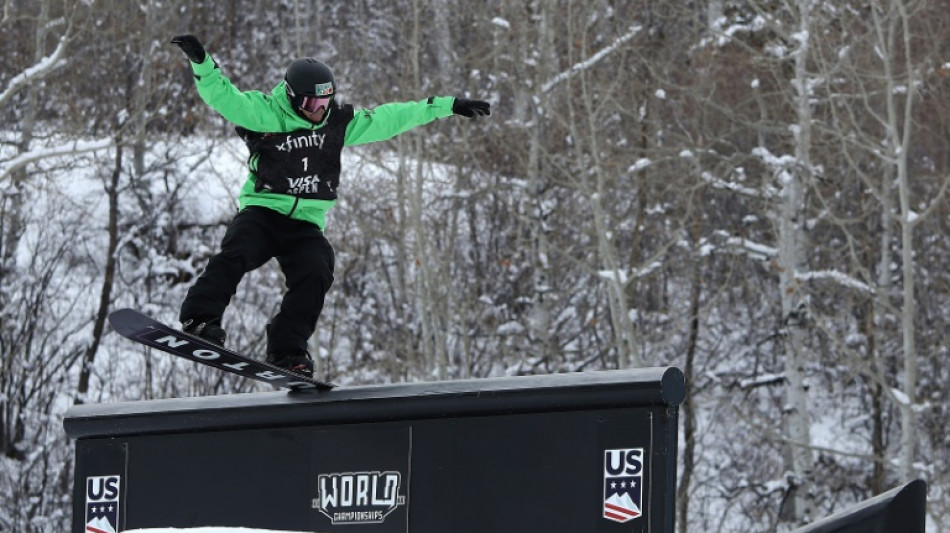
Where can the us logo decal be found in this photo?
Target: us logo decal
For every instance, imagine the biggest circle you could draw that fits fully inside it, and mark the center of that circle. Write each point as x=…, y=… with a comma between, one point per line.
x=623, y=484
x=102, y=504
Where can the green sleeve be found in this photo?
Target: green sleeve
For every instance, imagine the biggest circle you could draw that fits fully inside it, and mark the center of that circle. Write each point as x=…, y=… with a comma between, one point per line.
x=388, y=120
x=250, y=109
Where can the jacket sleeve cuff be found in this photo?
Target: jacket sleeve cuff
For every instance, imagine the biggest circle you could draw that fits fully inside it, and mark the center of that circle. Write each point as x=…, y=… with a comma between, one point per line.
x=205, y=67
x=442, y=103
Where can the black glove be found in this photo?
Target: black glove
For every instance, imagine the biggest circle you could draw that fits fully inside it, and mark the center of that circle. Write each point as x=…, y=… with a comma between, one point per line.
x=471, y=108
x=191, y=46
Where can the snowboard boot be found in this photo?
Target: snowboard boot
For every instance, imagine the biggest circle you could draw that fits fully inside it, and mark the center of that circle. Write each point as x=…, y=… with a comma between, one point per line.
x=295, y=362
x=207, y=329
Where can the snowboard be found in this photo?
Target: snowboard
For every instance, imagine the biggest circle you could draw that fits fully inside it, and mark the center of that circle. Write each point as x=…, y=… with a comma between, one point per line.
x=138, y=327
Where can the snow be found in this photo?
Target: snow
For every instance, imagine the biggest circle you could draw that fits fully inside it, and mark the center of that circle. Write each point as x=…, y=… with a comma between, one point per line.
x=772, y=160
x=761, y=379
x=719, y=183
x=726, y=34
x=838, y=277
x=621, y=278
x=757, y=251
x=510, y=328
x=801, y=37
x=640, y=164
x=776, y=50
x=900, y=397
x=501, y=23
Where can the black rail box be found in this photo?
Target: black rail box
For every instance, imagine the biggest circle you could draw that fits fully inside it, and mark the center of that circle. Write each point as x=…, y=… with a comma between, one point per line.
x=591, y=452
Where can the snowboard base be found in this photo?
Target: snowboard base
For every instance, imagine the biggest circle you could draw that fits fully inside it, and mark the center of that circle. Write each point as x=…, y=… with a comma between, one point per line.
x=138, y=327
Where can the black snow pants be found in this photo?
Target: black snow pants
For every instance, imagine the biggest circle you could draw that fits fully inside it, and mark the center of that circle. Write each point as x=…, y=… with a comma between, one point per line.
x=253, y=237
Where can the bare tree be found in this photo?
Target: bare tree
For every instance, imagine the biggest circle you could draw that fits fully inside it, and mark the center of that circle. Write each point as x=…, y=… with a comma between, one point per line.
x=885, y=77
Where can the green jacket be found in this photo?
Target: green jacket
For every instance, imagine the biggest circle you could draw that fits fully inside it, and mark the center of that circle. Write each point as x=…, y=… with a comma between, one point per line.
x=273, y=113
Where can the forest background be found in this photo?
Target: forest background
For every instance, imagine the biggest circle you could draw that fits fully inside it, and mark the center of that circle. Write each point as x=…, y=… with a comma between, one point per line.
x=751, y=190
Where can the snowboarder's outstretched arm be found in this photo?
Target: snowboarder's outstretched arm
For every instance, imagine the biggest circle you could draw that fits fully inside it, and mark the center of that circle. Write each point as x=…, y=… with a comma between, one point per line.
x=389, y=120
x=252, y=110
x=249, y=109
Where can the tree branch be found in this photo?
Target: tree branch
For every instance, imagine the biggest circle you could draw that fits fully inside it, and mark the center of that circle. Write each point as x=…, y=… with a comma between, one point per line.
x=38, y=71
x=75, y=147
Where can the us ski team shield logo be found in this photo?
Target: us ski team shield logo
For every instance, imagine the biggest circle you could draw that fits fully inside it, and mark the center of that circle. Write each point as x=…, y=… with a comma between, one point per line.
x=102, y=504
x=623, y=484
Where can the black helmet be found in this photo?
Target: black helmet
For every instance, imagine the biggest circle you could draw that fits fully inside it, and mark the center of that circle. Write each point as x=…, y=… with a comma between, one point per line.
x=308, y=77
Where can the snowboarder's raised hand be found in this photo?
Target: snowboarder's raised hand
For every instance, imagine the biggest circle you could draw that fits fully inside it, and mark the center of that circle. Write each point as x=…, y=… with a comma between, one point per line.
x=471, y=108
x=191, y=46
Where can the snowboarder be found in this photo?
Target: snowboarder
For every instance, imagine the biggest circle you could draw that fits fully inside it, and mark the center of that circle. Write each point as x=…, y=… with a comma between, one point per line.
x=295, y=135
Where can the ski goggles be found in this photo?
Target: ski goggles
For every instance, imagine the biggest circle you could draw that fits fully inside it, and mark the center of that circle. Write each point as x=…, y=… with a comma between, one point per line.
x=314, y=103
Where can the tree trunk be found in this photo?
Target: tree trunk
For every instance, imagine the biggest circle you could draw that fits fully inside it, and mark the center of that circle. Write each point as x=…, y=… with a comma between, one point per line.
x=791, y=254
x=108, y=280
x=687, y=411
x=540, y=319
x=893, y=26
